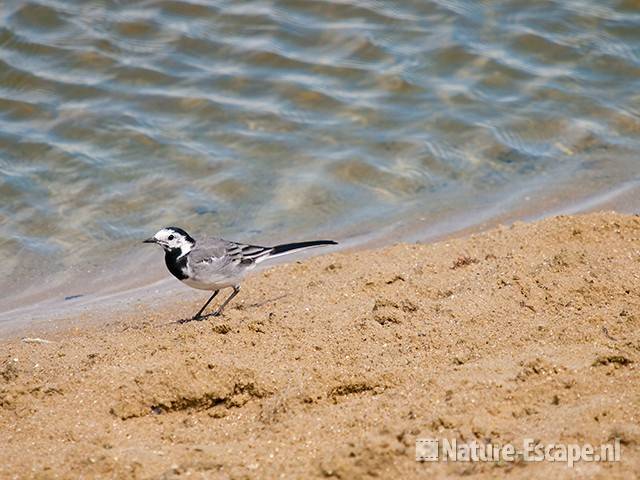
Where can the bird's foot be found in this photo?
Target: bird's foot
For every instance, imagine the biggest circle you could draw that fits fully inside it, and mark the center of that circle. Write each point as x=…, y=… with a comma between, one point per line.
x=198, y=318
x=192, y=319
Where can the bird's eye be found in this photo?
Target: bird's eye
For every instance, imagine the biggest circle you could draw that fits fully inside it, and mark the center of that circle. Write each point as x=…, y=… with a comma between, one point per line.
x=170, y=237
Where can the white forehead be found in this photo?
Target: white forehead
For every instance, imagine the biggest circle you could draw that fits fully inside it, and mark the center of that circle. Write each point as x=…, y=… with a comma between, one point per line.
x=164, y=234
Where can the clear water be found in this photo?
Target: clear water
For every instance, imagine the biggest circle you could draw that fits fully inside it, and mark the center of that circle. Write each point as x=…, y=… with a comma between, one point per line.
x=271, y=121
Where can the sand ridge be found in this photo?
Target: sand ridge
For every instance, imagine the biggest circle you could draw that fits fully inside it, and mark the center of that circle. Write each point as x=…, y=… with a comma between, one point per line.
x=332, y=367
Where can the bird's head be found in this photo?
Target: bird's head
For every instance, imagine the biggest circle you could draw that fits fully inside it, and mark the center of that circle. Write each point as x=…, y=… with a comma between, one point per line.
x=173, y=240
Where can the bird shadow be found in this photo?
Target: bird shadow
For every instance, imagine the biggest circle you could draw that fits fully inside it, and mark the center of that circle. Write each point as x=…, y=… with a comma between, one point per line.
x=260, y=304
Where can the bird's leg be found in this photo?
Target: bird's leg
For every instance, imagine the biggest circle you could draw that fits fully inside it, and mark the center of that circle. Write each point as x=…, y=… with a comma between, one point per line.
x=218, y=311
x=197, y=315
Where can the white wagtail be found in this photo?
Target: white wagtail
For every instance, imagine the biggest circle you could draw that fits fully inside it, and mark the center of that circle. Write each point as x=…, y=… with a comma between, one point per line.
x=213, y=264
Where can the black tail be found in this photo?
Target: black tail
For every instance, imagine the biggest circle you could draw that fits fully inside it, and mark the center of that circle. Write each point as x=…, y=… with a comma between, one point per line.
x=291, y=247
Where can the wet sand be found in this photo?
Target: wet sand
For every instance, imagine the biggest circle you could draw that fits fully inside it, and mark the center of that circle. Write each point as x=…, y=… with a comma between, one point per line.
x=332, y=367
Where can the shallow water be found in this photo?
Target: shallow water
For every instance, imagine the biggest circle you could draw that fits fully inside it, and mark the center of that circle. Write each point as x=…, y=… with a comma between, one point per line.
x=273, y=121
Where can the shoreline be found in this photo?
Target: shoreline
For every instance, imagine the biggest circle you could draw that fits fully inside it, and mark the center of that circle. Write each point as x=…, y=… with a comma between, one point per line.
x=332, y=367
x=93, y=294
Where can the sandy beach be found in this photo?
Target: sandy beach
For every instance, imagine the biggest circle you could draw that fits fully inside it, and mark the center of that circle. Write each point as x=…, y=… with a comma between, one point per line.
x=332, y=367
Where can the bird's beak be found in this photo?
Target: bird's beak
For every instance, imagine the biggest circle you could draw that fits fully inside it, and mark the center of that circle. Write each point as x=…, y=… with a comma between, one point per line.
x=150, y=240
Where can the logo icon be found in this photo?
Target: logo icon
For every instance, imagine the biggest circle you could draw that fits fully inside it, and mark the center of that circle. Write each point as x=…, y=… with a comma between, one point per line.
x=426, y=450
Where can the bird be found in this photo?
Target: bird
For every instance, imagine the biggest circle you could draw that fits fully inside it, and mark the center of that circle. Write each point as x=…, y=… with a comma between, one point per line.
x=213, y=264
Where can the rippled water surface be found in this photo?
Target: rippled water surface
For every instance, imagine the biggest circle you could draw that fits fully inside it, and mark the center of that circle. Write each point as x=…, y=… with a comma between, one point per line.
x=268, y=121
